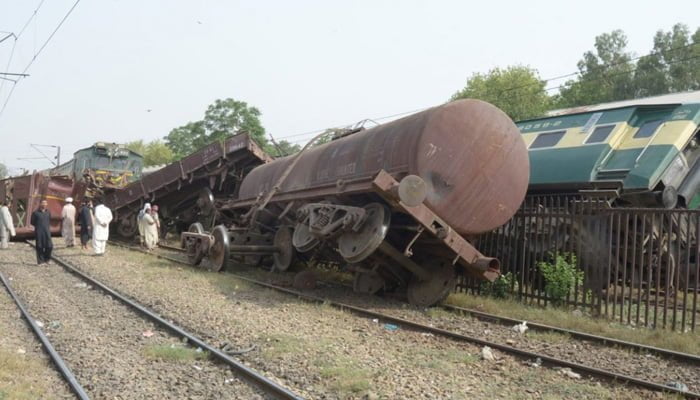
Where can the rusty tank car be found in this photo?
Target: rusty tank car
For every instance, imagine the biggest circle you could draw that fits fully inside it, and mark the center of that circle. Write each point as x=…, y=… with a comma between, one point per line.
x=393, y=204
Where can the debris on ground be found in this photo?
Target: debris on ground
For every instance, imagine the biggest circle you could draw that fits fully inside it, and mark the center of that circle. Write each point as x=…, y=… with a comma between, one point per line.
x=147, y=333
x=678, y=386
x=81, y=285
x=391, y=327
x=39, y=323
x=21, y=351
x=521, y=328
x=571, y=374
x=487, y=354
x=535, y=364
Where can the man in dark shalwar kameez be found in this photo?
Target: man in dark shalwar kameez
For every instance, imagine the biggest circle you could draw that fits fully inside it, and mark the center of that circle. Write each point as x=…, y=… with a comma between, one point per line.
x=41, y=221
x=85, y=220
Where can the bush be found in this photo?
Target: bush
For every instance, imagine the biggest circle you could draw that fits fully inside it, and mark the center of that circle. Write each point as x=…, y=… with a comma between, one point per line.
x=561, y=277
x=500, y=288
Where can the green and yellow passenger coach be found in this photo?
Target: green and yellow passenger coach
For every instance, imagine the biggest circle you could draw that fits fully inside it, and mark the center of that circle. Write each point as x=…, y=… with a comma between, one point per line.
x=640, y=153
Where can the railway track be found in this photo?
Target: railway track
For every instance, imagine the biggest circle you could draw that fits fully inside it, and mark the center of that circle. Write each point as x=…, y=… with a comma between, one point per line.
x=56, y=358
x=525, y=354
x=247, y=374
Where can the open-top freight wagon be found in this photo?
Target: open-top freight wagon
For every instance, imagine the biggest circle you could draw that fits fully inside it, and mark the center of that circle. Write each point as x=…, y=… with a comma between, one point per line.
x=184, y=190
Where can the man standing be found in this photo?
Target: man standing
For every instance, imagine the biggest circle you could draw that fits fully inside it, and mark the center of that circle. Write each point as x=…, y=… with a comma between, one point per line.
x=154, y=212
x=85, y=219
x=7, y=226
x=68, y=224
x=139, y=221
x=100, y=232
x=150, y=231
x=41, y=221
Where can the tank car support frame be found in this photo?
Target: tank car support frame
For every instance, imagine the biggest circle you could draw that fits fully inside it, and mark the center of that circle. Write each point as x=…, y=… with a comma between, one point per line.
x=467, y=255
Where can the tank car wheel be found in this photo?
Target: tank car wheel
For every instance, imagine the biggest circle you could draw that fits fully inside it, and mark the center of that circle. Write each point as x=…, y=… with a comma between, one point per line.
x=368, y=282
x=220, y=249
x=194, y=252
x=356, y=246
x=284, y=257
x=302, y=239
x=434, y=290
x=196, y=227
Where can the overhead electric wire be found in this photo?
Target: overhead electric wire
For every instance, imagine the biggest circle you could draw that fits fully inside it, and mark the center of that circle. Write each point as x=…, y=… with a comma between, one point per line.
x=14, y=85
x=604, y=67
x=17, y=36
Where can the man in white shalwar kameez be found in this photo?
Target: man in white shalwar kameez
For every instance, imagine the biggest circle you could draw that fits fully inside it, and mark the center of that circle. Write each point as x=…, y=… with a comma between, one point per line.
x=68, y=225
x=139, y=222
x=7, y=226
x=103, y=216
x=150, y=229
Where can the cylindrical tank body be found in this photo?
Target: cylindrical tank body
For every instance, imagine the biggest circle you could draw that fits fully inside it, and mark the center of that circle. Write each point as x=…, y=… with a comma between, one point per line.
x=469, y=153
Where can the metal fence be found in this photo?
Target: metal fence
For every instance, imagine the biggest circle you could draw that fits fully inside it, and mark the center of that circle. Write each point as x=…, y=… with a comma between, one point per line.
x=637, y=266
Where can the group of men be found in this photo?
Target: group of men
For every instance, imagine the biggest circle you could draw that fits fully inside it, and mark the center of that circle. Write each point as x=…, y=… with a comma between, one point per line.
x=149, y=226
x=94, y=224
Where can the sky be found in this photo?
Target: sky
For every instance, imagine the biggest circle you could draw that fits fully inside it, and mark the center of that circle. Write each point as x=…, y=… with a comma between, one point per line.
x=306, y=65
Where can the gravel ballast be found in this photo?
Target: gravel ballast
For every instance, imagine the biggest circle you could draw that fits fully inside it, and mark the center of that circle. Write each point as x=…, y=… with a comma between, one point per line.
x=114, y=352
x=321, y=352
x=26, y=372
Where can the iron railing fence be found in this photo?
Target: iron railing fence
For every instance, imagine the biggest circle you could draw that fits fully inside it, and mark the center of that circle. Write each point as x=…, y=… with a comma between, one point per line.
x=638, y=266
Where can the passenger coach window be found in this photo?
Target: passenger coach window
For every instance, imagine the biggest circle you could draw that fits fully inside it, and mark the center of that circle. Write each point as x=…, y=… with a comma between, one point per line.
x=548, y=139
x=648, y=129
x=600, y=134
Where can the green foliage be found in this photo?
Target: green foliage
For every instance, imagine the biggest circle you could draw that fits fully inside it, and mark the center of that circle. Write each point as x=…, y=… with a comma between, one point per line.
x=281, y=149
x=222, y=119
x=3, y=171
x=501, y=287
x=561, y=277
x=517, y=90
x=154, y=153
x=609, y=73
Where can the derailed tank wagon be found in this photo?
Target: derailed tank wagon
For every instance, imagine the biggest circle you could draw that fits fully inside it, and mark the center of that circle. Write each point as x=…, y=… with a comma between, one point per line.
x=394, y=204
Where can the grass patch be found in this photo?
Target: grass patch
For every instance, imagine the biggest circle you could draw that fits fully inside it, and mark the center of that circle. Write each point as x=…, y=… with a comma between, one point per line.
x=444, y=362
x=685, y=342
x=437, y=312
x=346, y=376
x=21, y=377
x=174, y=353
x=279, y=344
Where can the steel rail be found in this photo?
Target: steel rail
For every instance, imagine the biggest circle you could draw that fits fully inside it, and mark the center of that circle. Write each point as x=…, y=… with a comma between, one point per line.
x=261, y=381
x=676, y=355
x=46, y=344
x=528, y=355
x=484, y=316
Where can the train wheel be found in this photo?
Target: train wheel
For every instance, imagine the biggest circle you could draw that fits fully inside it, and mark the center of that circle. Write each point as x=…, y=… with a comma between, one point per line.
x=220, y=249
x=356, y=246
x=284, y=257
x=302, y=239
x=434, y=290
x=127, y=228
x=368, y=282
x=194, y=252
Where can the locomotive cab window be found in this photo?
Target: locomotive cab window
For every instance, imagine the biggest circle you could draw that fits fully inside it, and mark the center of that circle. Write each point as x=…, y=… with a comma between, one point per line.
x=648, y=129
x=548, y=139
x=600, y=134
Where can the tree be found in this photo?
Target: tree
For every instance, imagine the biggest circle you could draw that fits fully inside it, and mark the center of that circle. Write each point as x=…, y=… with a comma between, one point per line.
x=677, y=56
x=3, y=171
x=604, y=74
x=282, y=149
x=517, y=90
x=222, y=119
x=154, y=153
